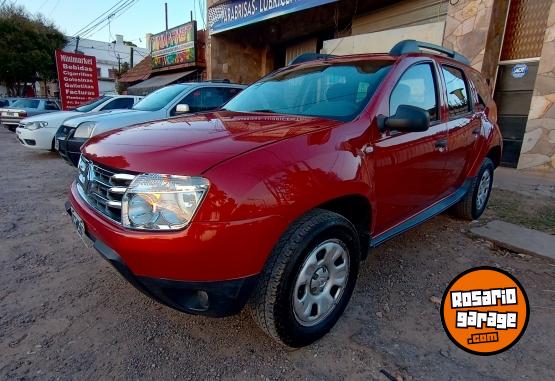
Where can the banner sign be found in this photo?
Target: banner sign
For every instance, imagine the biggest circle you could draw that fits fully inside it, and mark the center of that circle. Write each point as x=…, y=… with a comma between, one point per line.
x=77, y=78
x=237, y=13
x=174, y=46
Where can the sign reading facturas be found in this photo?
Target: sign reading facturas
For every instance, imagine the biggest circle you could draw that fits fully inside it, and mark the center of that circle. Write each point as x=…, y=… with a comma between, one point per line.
x=237, y=13
x=77, y=78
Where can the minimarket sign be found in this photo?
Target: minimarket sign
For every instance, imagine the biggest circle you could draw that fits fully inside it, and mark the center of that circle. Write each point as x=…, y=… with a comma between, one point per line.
x=175, y=46
x=77, y=77
x=237, y=13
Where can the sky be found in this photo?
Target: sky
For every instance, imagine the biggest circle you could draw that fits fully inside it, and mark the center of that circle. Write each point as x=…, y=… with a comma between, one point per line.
x=142, y=16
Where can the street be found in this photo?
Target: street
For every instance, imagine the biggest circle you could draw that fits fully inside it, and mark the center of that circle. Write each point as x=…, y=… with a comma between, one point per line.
x=66, y=314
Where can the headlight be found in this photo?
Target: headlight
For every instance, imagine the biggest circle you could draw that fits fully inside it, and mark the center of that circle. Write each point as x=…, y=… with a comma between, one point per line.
x=35, y=125
x=84, y=130
x=162, y=202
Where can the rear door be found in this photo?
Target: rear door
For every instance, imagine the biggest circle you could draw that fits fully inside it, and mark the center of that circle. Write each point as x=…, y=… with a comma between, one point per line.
x=409, y=166
x=463, y=127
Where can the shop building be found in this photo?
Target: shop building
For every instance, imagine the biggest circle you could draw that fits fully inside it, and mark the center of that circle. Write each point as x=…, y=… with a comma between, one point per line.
x=512, y=42
x=175, y=55
x=109, y=58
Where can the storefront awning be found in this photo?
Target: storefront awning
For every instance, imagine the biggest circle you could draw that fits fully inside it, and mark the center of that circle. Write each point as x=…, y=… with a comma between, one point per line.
x=154, y=83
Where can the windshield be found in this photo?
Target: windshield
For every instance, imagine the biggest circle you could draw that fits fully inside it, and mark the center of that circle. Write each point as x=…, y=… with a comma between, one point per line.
x=86, y=107
x=26, y=103
x=328, y=90
x=160, y=98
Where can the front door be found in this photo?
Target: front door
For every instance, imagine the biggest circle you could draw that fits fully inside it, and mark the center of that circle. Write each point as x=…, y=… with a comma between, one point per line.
x=409, y=166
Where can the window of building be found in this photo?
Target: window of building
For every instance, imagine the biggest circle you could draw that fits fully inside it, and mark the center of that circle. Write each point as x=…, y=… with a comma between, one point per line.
x=98, y=72
x=416, y=87
x=457, y=91
x=112, y=73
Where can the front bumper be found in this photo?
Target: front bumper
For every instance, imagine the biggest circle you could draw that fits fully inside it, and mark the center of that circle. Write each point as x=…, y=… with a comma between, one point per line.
x=68, y=146
x=220, y=259
x=37, y=139
x=213, y=298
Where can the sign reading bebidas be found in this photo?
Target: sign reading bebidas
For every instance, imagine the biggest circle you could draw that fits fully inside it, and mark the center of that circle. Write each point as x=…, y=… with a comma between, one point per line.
x=77, y=78
x=174, y=46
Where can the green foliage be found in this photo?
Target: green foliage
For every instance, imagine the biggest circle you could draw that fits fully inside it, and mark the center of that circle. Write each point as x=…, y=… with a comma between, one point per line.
x=27, y=47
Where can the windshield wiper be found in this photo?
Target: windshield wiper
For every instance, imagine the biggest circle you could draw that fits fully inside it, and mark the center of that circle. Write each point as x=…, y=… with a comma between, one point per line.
x=266, y=111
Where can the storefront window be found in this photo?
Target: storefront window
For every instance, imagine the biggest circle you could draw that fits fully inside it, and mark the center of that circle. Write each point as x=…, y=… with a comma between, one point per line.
x=335, y=91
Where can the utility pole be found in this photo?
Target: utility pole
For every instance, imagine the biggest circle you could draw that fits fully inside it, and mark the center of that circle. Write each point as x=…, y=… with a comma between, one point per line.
x=77, y=44
x=191, y=15
x=166, y=11
x=119, y=64
x=131, y=57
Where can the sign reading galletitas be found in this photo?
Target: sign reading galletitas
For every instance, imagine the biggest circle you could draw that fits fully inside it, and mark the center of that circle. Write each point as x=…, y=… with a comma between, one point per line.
x=77, y=78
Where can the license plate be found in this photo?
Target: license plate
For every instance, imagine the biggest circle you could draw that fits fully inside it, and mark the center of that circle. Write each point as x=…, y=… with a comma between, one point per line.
x=80, y=227
x=56, y=144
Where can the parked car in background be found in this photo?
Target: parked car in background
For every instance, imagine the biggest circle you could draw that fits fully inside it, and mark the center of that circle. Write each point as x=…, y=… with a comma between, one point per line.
x=163, y=103
x=38, y=132
x=25, y=107
x=7, y=101
x=276, y=198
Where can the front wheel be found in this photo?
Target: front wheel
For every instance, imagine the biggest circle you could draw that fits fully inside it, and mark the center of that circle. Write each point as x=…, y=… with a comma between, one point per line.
x=308, y=279
x=475, y=201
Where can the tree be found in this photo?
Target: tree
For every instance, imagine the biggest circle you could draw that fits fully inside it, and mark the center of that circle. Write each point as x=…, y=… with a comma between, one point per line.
x=27, y=48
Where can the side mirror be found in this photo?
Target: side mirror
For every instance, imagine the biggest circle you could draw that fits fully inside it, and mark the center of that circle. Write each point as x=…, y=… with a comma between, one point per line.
x=182, y=109
x=406, y=119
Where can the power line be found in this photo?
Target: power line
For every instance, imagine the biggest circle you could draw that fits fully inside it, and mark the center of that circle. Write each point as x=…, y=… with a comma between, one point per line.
x=97, y=18
x=113, y=16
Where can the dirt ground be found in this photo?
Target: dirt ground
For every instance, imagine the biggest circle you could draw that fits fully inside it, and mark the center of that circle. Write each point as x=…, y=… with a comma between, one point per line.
x=65, y=314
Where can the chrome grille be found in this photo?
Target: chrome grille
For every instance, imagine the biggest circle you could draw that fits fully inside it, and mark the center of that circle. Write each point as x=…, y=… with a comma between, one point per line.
x=102, y=188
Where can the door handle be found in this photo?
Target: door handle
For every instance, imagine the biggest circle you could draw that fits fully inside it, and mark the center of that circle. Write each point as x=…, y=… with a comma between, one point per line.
x=441, y=145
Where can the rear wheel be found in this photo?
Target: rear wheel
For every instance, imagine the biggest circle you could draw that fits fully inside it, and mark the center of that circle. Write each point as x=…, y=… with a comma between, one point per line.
x=475, y=201
x=308, y=279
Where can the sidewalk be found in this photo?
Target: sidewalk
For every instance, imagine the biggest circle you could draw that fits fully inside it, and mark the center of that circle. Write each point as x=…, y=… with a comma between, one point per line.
x=528, y=183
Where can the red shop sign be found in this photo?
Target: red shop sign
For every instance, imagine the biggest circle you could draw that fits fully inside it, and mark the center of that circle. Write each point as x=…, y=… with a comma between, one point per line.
x=77, y=78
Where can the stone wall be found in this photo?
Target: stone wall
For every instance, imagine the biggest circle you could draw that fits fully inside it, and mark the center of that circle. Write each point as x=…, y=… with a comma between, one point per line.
x=538, y=148
x=466, y=29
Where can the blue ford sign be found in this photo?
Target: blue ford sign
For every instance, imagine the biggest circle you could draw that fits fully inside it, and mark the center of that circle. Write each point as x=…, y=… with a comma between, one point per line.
x=237, y=13
x=519, y=70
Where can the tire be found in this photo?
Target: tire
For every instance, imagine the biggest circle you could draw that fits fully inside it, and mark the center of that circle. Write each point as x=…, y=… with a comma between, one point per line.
x=472, y=206
x=283, y=303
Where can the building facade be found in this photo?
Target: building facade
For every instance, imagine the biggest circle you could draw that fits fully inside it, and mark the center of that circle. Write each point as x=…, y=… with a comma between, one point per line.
x=512, y=42
x=109, y=58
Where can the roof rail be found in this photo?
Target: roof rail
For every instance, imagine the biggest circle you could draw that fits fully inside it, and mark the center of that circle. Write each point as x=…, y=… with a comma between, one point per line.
x=305, y=57
x=413, y=46
x=225, y=80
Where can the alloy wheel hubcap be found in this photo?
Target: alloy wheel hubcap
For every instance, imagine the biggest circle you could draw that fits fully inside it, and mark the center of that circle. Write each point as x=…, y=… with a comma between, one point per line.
x=320, y=282
x=483, y=190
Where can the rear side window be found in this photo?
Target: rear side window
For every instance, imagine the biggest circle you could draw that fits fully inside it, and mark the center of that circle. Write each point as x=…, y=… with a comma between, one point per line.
x=51, y=106
x=119, y=103
x=458, y=96
x=416, y=88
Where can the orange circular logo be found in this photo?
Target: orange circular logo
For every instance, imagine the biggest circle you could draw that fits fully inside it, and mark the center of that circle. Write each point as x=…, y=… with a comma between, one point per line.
x=485, y=311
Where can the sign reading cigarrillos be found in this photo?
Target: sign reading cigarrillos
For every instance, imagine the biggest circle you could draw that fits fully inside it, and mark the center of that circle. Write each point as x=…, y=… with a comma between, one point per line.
x=77, y=78
x=485, y=311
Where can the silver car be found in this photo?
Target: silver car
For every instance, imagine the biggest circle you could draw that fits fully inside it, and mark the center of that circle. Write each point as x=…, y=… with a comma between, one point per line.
x=24, y=108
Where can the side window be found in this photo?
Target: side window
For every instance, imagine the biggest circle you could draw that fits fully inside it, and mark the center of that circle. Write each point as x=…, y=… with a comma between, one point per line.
x=416, y=87
x=119, y=103
x=229, y=92
x=51, y=106
x=458, y=97
x=205, y=99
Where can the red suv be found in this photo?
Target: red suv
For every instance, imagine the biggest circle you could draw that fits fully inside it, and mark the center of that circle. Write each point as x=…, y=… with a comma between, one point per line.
x=275, y=199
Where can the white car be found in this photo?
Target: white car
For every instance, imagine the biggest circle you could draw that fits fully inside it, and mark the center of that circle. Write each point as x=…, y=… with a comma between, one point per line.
x=38, y=131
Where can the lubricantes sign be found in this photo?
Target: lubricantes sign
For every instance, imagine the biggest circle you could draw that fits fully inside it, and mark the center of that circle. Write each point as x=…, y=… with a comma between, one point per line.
x=77, y=78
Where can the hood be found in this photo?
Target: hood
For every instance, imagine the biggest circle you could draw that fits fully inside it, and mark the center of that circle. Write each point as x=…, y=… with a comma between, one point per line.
x=52, y=116
x=190, y=145
x=113, y=117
